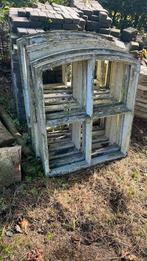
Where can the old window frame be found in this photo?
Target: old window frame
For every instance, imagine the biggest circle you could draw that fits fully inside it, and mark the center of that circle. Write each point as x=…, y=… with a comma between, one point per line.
x=33, y=63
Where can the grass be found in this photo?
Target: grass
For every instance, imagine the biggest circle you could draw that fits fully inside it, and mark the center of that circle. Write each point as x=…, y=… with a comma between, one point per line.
x=97, y=214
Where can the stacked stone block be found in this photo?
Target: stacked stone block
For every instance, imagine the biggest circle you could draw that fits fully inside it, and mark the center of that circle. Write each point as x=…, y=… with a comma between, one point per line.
x=96, y=16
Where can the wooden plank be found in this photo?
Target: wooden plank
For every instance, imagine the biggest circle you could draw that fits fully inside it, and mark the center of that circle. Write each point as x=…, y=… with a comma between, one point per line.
x=58, y=90
x=61, y=147
x=59, y=156
x=101, y=72
x=105, y=150
x=57, y=95
x=116, y=80
x=130, y=102
x=61, y=115
x=105, y=111
x=28, y=93
x=59, y=101
x=67, y=120
x=56, y=86
x=61, y=107
x=66, y=160
x=78, y=77
x=54, y=142
x=41, y=121
x=25, y=82
x=87, y=126
x=72, y=168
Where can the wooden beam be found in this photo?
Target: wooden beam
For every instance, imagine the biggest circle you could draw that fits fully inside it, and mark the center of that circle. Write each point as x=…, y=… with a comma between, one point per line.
x=87, y=127
x=130, y=102
x=41, y=121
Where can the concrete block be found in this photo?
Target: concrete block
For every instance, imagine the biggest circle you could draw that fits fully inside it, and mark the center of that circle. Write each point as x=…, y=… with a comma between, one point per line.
x=10, y=166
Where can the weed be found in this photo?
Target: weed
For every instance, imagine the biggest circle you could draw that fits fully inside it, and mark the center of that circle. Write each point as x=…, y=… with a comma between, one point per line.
x=135, y=175
x=49, y=236
x=5, y=250
x=32, y=168
x=130, y=192
x=34, y=191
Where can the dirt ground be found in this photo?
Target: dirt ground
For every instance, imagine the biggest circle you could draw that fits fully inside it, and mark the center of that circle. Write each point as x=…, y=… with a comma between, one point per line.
x=98, y=214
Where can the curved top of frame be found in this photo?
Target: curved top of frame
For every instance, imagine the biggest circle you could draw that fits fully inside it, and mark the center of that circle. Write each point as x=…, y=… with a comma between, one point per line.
x=60, y=46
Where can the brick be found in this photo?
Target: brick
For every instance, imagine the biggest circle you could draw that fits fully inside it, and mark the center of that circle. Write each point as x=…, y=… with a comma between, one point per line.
x=40, y=31
x=13, y=12
x=80, y=12
x=115, y=32
x=134, y=46
x=55, y=26
x=129, y=34
x=67, y=18
x=59, y=18
x=22, y=12
x=37, y=24
x=95, y=18
x=22, y=31
x=96, y=12
x=85, y=17
x=92, y=26
x=20, y=22
x=34, y=14
x=88, y=12
x=106, y=23
x=75, y=17
x=28, y=10
x=28, y=31
x=102, y=16
x=50, y=15
x=48, y=6
x=82, y=23
x=42, y=16
x=70, y=27
x=104, y=30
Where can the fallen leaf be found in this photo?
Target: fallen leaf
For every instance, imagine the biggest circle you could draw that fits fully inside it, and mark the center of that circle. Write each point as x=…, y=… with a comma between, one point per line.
x=35, y=255
x=18, y=229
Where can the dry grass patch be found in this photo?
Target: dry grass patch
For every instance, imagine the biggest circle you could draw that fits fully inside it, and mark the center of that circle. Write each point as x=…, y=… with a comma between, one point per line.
x=95, y=215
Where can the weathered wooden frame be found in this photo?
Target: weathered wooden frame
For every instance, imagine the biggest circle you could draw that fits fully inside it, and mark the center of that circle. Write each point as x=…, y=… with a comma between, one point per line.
x=45, y=51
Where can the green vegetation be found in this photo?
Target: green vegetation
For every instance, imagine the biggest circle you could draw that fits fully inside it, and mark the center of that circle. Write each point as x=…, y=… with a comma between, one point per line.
x=126, y=13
